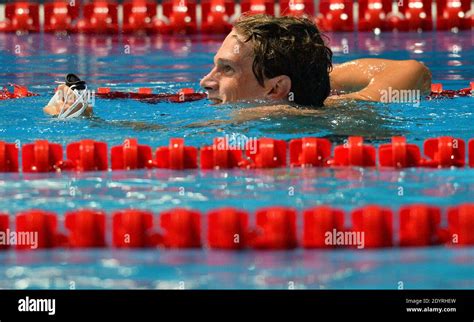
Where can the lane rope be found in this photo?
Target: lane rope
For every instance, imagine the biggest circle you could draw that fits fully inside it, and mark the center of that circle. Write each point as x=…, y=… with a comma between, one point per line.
x=273, y=228
x=262, y=153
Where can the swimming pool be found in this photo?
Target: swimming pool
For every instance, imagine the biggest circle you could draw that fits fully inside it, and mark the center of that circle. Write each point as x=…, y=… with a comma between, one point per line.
x=168, y=64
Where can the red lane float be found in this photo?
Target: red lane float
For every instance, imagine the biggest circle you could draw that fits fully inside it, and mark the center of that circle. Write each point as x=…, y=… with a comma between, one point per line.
x=41, y=156
x=418, y=14
x=4, y=229
x=461, y=224
x=133, y=229
x=86, y=227
x=275, y=228
x=268, y=153
x=399, y=154
x=180, y=18
x=354, y=153
x=297, y=8
x=147, y=95
x=335, y=15
x=471, y=153
x=18, y=92
x=176, y=156
x=145, y=90
x=21, y=16
x=220, y=155
x=437, y=91
x=88, y=155
x=182, y=228
x=470, y=17
x=318, y=222
x=445, y=152
x=227, y=228
x=131, y=155
x=453, y=14
x=373, y=14
x=42, y=223
x=216, y=14
x=396, y=20
x=59, y=16
x=436, y=88
x=419, y=225
x=313, y=152
x=8, y=157
x=375, y=223
x=229, y=7
x=255, y=7
x=100, y=17
x=138, y=16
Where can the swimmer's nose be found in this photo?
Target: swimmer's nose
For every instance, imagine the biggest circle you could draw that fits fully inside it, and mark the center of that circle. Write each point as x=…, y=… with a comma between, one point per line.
x=208, y=83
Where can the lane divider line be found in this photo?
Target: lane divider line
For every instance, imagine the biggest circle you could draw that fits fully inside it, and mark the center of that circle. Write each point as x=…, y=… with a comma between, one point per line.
x=272, y=228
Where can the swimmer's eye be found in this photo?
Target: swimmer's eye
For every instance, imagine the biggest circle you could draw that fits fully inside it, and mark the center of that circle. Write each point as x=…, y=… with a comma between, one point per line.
x=227, y=69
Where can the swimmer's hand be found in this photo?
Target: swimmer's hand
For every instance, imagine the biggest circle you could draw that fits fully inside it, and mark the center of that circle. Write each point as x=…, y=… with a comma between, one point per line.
x=55, y=108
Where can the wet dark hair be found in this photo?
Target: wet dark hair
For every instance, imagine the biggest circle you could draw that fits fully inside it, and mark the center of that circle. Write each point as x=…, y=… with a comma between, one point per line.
x=293, y=47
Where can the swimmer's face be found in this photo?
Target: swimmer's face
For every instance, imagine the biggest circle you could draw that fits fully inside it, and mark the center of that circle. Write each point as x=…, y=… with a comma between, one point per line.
x=232, y=78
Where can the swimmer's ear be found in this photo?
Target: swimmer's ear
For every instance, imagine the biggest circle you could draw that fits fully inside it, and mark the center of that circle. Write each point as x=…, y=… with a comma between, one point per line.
x=278, y=87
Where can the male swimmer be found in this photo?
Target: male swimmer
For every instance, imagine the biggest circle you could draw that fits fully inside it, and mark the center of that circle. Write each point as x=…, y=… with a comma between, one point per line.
x=285, y=63
x=71, y=99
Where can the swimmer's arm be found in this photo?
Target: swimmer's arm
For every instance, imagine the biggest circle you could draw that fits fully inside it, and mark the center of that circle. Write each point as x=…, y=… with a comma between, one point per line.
x=367, y=79
x=260, y=112
x=54, y=109
x=135, y=125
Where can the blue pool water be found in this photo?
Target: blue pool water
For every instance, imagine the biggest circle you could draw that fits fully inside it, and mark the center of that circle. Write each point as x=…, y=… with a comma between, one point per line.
x=168, y=64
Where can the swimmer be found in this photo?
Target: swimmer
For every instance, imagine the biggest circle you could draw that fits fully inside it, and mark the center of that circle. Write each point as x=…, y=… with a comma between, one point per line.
x=71, y=99
x=285, y=63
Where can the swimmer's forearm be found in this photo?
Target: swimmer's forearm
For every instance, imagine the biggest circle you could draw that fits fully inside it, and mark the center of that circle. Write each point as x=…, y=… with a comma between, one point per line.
x=89, y=112
x=254, y=113
x=53, y=110
x=371, y=77
x=354, y=75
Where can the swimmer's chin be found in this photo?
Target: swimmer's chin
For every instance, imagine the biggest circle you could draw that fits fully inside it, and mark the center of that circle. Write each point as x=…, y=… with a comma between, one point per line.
x=215, y=101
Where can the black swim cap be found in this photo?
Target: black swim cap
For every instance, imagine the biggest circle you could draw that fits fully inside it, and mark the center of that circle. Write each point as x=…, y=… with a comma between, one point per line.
x=72, y=79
